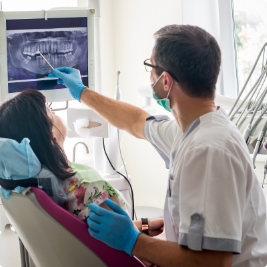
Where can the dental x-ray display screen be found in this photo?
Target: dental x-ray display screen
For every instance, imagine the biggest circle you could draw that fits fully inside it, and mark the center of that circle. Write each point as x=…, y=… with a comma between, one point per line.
x=63, y=42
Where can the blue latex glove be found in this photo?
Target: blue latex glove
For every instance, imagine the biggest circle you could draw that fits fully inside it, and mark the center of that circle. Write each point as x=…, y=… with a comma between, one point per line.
x=116, y=229
x=71, y=78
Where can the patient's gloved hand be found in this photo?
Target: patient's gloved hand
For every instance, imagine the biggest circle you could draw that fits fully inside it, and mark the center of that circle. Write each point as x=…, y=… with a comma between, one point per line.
x=71, y=78
x=116, y=229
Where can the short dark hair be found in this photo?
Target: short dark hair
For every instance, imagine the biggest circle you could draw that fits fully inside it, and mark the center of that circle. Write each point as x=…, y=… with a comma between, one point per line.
x=25, y=115
x=192, y=55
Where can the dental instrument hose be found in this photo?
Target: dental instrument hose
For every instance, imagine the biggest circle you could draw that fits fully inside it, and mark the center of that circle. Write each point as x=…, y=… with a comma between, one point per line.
x=122, y=176
x=118, y=97
x=258, y=144
x=232, y=113
x=265, y=166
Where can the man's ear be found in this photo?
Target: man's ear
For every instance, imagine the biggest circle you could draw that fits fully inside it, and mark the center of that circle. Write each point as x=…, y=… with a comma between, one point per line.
x=168, y=80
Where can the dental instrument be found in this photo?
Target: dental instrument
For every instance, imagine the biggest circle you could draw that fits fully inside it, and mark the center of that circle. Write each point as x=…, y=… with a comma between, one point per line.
x=262, y=51
x=265, y=165
x=45, y=60
x=112, y=146
x=113, y=150
x=251, y=107
x=117, y=88
x=258, y=144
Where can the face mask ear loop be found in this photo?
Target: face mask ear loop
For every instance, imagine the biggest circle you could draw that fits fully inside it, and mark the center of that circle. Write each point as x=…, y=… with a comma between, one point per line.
x=169, y=90
x=154, y=84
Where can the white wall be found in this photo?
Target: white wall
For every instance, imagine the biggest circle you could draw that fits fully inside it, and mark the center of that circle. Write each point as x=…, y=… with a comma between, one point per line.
x=107, y=48
x=135, y=22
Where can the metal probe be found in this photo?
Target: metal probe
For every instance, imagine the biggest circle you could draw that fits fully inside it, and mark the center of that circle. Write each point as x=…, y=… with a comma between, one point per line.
x=45, y=60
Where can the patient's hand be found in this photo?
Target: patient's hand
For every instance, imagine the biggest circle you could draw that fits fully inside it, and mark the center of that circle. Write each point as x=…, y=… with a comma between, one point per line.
x=155, y=226
x=105, y=206
x=147, y=264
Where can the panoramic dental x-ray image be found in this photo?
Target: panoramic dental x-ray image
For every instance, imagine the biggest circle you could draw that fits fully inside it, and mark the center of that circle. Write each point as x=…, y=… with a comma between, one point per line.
x=60, y=46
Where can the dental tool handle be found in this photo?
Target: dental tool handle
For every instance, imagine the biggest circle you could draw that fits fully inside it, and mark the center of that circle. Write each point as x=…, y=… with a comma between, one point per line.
x=265, y=166
x=250, y=74
x=256, y=149
x=264, y=172
x=115, y=139
x=46, y=60
x=117, y=88
x=246, y=133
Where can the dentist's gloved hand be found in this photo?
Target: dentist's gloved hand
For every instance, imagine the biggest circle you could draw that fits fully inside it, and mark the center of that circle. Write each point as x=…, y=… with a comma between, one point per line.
x=116, y=229
x=71, y=78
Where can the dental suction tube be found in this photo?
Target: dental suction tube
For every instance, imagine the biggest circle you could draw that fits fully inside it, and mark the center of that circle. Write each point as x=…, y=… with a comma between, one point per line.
x=114, y=141
x=265, y=166
x=259, y=119
x=245, y=99
x=258, y=144
x=250, y=102
x=245, y=85
x=258, y=105
x=250, y=110
x=250, y=128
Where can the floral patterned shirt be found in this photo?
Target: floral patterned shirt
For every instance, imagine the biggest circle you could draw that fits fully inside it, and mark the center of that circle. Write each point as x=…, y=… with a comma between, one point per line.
x=85, y=187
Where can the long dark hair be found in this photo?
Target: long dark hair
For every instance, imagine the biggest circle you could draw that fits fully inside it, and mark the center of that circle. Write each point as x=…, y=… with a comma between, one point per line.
x=25, y=115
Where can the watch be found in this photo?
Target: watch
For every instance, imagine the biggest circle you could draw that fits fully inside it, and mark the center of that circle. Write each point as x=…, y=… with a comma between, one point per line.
x=144, y=227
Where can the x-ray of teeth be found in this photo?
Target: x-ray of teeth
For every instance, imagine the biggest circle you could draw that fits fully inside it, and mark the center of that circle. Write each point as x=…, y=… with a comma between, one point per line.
x=61, y=48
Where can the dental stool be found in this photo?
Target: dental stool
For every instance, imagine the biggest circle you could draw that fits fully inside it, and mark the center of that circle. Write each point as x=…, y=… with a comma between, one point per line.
x=55, y=238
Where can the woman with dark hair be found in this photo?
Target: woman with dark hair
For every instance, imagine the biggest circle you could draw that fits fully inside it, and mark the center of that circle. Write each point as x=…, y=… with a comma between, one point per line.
x=27, y=116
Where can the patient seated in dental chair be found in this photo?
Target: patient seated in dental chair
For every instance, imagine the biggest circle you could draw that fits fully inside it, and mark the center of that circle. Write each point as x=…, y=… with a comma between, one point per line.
x=34, y=130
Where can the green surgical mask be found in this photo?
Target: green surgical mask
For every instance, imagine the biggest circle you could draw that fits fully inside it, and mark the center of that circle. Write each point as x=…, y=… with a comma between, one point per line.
x=164, y=102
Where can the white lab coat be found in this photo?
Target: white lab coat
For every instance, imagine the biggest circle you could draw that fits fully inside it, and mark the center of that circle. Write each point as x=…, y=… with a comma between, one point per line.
x=214, y=200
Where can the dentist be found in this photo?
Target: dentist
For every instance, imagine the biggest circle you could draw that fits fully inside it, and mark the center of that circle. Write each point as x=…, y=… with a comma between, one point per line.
x=215, y=210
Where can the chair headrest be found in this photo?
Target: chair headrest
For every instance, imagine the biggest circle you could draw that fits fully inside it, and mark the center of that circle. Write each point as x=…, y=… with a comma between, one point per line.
x=17, y=160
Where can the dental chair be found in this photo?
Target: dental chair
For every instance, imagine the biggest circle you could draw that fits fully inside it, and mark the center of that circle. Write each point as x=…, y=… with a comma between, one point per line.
x=55, y=238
